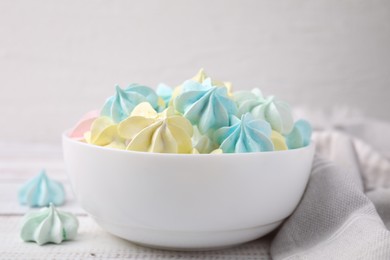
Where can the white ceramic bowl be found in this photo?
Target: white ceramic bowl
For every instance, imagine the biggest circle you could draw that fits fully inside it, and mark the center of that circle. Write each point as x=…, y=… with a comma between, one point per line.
x=187, y=202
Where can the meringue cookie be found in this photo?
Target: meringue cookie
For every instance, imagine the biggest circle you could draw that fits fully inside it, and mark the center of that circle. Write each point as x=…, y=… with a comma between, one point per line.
x=202, y=143
x=195, y=151
x=205, y=105
x=216, y=151
x=83, y=125
x=200, y=77
x=165, y=92
x=49, y=225
x=119, y=106
x=245, y=135
x=247, y=100
x=275, y=112
x=41, y=191
x=300, y=135
x=279, y=141
x=104, y=132
x=149, y=131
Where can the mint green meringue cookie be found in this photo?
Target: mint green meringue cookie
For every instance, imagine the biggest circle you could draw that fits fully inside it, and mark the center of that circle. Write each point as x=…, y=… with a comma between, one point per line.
x=49, y=225
x=204, y=105
x=120, y=106
x=275, y=112
x=248, y=100
x=245, y=136
x=41, y=191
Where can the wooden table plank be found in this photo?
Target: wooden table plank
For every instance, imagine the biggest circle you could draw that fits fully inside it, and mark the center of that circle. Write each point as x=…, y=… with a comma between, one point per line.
x=93, y=242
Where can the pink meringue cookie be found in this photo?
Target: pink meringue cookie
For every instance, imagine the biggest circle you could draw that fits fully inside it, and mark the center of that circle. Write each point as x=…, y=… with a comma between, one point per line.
x=84, y=125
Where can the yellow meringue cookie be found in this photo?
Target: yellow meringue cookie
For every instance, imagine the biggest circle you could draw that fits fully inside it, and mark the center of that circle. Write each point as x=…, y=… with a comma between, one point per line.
x=229, y=87
x=149, y=131
x=161, y=102
x=117, y=143
x=195, y=151
x=200, y=76
x=217, y=151
x=279, y=141
x=176, y=91
x=144, y=109
x=104, y=132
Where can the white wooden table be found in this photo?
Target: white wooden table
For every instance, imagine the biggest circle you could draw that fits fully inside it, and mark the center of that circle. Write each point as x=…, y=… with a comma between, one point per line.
x=20, y=162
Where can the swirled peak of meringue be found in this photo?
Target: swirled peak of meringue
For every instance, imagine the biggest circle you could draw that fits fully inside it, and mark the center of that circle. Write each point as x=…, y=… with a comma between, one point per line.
x=275, y=112
x=247, y=100
x=165, y=92
x=200, y=77
x=245, y=135
x=41, y=191
x=49, y=225
x=205, y=105
x=120, y=105
x=149, y=131
x=300, y=135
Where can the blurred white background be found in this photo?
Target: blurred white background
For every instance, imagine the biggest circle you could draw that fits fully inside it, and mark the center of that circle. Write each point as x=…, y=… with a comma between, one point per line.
x=59, y=59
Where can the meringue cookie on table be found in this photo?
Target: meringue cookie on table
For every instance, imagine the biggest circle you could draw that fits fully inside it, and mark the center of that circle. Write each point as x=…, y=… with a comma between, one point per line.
x=275, y=112
x=49, y=225
x=300, y=135
x=149, y=131
x=245, y=135
x=84, y=125
x=205, y=105
x=120, y=106
x=41, y=191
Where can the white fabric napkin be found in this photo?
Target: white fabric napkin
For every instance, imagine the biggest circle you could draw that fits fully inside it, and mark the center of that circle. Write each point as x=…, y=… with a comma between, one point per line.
x=346, y=206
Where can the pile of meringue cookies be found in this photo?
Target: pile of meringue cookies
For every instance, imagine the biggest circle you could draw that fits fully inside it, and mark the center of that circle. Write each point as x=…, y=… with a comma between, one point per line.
x=199, y=116
x=48, y=225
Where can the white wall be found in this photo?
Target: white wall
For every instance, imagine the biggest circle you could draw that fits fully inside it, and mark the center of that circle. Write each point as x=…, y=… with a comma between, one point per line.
x=58, y=59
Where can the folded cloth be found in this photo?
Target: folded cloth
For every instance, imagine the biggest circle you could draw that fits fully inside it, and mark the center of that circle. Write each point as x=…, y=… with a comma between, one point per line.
x=346, y=205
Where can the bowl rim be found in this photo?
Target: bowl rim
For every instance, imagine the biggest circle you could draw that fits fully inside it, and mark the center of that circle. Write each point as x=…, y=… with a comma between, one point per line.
x=65, y=136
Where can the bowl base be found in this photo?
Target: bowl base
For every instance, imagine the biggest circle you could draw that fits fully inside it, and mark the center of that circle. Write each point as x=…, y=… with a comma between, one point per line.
x=185, y=240
x=186, y=249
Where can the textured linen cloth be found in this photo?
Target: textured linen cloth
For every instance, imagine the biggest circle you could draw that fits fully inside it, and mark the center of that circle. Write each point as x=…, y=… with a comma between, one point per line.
x=346, y=206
